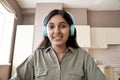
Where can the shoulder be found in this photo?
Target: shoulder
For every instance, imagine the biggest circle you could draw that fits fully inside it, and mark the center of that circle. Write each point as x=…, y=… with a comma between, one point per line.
x=41, y=51
x=79, y=51
x=82, y=53
x=88, y=59
x=38, y=52
x=37, y=55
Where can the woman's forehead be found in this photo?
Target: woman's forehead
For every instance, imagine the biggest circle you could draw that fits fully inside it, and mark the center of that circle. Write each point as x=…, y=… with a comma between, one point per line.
x=56, y=18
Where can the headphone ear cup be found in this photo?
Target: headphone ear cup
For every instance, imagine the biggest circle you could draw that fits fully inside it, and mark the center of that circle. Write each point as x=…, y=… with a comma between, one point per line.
x=72, y=30
x=44, y=31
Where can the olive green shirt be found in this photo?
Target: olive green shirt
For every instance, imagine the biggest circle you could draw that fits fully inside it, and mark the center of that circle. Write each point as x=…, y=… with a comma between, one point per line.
x=76, y=64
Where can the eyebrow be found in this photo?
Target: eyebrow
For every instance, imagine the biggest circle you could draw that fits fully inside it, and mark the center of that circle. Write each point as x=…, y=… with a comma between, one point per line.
x=63, y=22
x=50, y=23
x=59, y=23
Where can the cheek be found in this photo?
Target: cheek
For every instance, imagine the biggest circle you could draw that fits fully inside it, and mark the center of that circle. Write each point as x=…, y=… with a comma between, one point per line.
x=66, y=34
x=49, y=34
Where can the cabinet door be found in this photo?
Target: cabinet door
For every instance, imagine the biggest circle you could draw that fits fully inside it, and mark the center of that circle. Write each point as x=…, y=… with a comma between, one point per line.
x=113, y=35
x=98, y=38
x=23, y=44
x=116, y=73
x=83, y=36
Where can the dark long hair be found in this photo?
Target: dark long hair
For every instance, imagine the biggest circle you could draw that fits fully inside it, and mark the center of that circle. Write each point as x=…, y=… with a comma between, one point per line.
x=71, y=39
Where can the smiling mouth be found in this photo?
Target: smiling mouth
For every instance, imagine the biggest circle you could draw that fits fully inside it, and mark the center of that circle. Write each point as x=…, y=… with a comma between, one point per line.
x=57, y=38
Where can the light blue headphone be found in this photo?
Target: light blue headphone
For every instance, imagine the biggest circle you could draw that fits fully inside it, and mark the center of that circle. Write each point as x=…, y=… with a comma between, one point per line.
x=72, y=28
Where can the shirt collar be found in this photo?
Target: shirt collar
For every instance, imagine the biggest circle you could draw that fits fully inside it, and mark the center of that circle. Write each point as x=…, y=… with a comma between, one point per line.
x=47, y=49
x=68, y=49
x=71, y=49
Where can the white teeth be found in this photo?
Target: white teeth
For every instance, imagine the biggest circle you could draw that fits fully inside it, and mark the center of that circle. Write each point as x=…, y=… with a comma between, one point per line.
x=57, y=38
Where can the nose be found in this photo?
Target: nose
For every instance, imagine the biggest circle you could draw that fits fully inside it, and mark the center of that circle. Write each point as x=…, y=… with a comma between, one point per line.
x=57, y=30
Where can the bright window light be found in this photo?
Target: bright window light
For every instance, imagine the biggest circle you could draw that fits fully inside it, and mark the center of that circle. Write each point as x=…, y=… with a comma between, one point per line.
x=6, y=29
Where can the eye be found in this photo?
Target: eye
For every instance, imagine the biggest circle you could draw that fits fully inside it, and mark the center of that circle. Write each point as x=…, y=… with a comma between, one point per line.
x=62, y=26
x=51, y=26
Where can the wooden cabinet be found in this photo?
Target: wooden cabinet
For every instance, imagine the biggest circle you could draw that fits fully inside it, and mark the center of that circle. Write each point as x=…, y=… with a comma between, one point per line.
x=113, y=35
x=116, y=73
x=111, y=72
x=98, y=38
x=5, y=71
x=107, y=70
x=83, y=36
x=116, y=76
x=102, y=37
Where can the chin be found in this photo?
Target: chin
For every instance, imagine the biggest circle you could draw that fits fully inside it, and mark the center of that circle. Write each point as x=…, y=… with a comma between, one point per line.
x=58, y=44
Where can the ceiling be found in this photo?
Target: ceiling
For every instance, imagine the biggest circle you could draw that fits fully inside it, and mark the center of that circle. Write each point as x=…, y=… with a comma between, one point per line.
x=90, y=4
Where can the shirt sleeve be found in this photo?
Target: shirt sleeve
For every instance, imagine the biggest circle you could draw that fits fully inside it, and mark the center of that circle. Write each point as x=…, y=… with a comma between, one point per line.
x=92, y=70
x=24, y=71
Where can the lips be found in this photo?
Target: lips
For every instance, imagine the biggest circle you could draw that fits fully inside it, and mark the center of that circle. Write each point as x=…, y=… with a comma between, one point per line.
x=57, y=38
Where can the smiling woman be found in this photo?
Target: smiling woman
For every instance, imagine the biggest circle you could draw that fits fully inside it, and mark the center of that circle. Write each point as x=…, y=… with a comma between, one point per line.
x=59, y=57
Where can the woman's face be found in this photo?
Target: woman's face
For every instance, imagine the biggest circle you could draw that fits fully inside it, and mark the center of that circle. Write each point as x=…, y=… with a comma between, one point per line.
x=58, y=31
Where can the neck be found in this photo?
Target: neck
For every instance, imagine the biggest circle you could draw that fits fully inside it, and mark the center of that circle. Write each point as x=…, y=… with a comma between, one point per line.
x=59, y=49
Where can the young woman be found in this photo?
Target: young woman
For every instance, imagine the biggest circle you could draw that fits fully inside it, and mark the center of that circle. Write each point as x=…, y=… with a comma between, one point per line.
x=59, y=57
